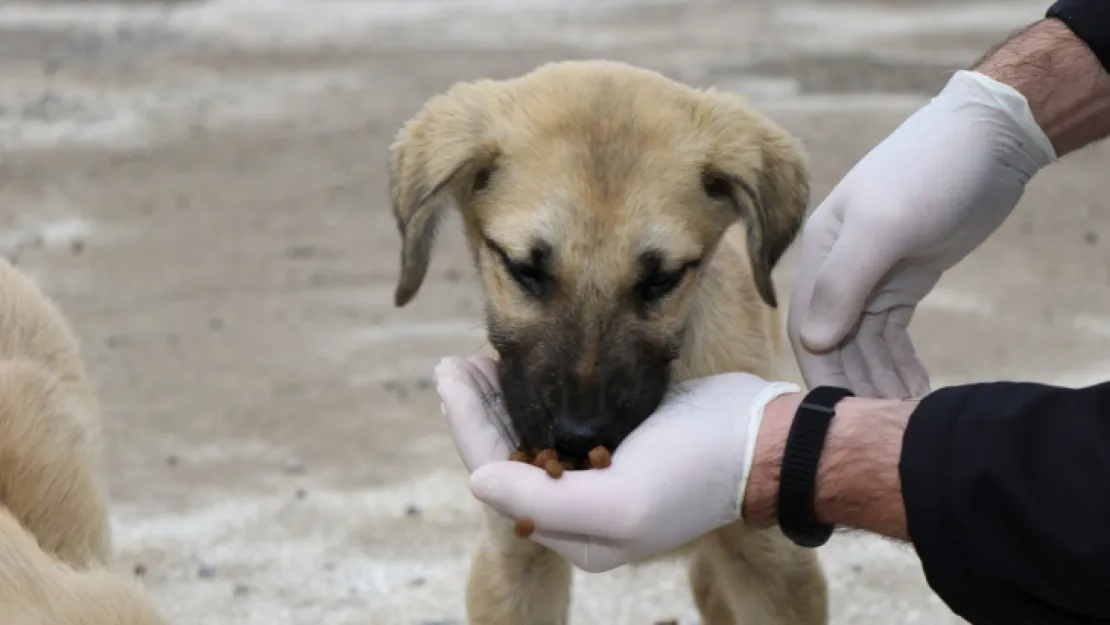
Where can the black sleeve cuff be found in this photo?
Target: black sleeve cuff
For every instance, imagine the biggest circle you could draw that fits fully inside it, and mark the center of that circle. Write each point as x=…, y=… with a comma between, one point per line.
x=925, y=490
x=1090, y=21
x=1006, y=487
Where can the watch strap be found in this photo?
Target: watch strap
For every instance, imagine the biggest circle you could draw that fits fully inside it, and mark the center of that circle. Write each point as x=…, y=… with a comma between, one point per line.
x=798, y=475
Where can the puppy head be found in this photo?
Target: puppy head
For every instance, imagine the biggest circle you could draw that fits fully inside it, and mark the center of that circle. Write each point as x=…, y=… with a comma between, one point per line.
x=592, y=194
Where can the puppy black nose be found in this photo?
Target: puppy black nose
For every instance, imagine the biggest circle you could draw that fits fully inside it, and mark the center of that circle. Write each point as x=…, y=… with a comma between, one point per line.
x=575, y=439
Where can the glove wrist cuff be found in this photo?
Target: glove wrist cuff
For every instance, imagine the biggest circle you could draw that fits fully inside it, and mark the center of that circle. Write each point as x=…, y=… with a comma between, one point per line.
x=755, y=421
x=1030, y=139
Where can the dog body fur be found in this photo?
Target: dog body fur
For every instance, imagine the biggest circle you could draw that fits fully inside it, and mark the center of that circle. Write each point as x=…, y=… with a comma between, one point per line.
x=55, y=539
x=587, y=189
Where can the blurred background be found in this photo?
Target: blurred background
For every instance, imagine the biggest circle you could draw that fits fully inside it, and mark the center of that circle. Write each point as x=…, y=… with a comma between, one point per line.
x=202, y=187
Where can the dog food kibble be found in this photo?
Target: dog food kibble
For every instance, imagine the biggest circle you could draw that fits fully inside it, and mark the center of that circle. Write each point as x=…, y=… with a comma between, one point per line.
x=554, y=468
x=549, y=461
x=545, y=456
x=599, y=457
x=524, y=528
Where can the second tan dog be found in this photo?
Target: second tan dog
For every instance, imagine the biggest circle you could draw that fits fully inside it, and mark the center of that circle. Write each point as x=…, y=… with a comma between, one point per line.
x=55, y=541
x=624, y=228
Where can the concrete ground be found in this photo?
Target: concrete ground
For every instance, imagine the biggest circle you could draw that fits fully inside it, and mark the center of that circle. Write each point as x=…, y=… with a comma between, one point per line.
x=203, y=189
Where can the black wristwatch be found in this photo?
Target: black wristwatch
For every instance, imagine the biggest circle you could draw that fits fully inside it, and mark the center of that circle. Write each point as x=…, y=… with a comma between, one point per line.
x=798, y=476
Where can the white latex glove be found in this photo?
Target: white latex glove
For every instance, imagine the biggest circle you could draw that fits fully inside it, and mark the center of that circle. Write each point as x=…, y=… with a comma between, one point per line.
x=682, y=473
x=913, y=207
x=470, y=401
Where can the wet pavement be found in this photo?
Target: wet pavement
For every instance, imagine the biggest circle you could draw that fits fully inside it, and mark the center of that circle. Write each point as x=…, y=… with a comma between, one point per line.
x=203, y=189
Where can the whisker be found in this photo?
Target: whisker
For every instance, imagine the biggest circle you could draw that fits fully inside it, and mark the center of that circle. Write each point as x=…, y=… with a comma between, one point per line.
x=499, y=417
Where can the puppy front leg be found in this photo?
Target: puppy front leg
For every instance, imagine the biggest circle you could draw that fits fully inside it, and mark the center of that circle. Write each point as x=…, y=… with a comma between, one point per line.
x=705, y=584
x=514, y=581
x=765, y=579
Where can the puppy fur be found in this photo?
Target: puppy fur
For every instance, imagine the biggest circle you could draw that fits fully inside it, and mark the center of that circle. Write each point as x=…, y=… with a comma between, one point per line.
x=55, y=541
x=624, y=227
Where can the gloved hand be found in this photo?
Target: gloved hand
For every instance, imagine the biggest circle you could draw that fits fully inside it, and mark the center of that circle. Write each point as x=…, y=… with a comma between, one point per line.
x=913, y=207
x=682, y=473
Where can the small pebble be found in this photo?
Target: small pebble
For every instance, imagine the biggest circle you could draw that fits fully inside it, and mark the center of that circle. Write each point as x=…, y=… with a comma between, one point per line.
x=417, y=582
x=397, y=389
x=206, y=571
x=300, y=493
x=241, y=590
x=77, y=247
x=301, y=251
x=412, y=511
x=139, y=570
x=1090, y=237
x=172, y=460
x=292, y=466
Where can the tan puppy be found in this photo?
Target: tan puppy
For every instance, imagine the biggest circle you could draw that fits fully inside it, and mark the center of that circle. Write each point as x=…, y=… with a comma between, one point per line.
x=624, y=227
x=55, y=541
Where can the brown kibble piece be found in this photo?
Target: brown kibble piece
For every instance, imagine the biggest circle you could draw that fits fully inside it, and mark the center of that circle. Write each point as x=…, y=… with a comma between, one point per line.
x=541, y=459
x=524, y=528
x=519, y=456
x=599, y=458
x=553, y=468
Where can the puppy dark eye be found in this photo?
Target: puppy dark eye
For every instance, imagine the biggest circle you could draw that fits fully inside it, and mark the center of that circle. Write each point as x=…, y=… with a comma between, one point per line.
x=481, y=179
x=531, y=279
x=716, y=186
x=659, y=284
x=530, y=276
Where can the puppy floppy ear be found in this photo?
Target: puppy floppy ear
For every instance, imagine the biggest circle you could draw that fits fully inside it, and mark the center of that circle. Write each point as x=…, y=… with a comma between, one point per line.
x=780, y=209
x=777, y=194
x=436, y=157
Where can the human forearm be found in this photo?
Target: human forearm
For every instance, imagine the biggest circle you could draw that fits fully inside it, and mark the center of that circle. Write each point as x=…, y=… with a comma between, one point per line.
x=858, y=484
x=1067, y=87
x=1001, y=488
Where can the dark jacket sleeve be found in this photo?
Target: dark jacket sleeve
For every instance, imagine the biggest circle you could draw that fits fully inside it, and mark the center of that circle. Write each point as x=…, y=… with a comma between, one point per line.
x=1090, y=21
x=1007, y=494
